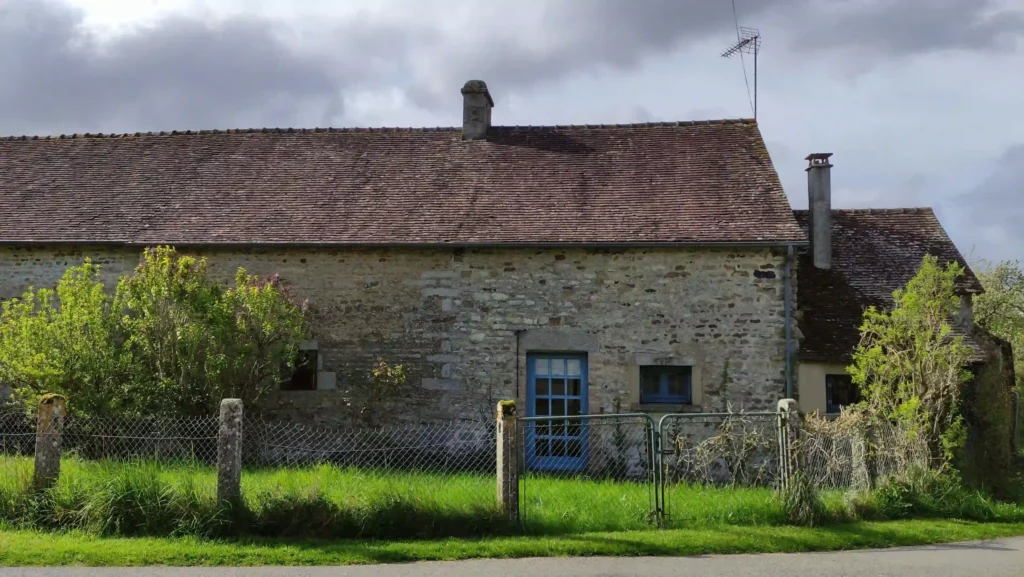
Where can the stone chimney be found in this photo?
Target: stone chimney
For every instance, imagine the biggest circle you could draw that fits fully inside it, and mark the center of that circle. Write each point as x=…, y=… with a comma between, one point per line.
x=476, y=110
x=819, y=208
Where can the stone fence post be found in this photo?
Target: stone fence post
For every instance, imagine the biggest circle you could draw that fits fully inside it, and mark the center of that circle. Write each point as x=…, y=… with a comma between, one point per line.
x=49, y=430
x=789, y=440
x=229, y=452
x=508, y=460
x=863, y=457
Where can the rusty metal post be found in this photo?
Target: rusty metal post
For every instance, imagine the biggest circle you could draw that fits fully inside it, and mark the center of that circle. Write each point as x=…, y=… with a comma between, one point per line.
x=49, y=430
x=508, y=460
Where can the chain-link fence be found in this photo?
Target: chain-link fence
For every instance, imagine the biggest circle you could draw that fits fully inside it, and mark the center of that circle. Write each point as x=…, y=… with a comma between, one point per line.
x=192, y=439
x=736, y=449
x=443, y=447
x=831, y=452
x=572, y=467
x=586, y=472
x=17, y=433
x=850, y=452
x=181, y=439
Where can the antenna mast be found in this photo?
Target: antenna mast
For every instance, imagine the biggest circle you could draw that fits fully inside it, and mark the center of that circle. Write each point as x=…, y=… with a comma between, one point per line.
x=748, y=41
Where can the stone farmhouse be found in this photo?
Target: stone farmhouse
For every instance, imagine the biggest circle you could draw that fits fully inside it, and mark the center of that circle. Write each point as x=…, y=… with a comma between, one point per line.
x=591, y=269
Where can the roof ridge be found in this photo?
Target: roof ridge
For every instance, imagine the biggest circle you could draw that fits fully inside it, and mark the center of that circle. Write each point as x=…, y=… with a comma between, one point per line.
x=896, y=210
x=382, y=129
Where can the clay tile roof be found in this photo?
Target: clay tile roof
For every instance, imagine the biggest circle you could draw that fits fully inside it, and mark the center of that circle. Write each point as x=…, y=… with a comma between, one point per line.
x=874, y=252
x=696, y=182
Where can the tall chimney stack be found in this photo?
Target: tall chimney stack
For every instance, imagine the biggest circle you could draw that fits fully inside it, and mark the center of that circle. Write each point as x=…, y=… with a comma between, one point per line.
x=819, y=205
x=476, y=110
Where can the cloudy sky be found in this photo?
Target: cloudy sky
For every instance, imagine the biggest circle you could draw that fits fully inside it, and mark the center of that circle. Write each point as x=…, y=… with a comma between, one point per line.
x=921, y=101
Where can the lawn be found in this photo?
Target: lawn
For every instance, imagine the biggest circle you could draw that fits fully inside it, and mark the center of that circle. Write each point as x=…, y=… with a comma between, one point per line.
x=148, y=498
x=19, y=548
x=106, y=498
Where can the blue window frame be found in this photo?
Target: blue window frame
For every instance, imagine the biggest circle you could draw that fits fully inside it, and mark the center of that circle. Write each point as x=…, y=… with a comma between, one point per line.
x=666, y=385
x=556, y=387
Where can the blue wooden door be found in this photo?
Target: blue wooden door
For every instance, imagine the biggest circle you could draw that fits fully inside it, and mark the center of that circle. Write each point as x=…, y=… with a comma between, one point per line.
x=557, y=387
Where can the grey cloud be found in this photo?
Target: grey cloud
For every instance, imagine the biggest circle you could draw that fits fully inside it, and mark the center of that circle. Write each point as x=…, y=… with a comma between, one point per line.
x=996, y=206
x=184, y=73
x=178, y=74
x=590, y=35
x=579, y=37
x=910, y=26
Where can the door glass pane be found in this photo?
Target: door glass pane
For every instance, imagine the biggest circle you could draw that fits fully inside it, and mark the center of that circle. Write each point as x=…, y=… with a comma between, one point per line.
x=557, y=448
x=574, y=387
x=558, y=428
x=541, y=448
x=541, y=407
x=541, y=387
x=575, y=428
x=558, y=367
x=574, y=448
x=557, y=407
x=572, y=367
x=540, y=367
x=574, y=407
x=558, y=387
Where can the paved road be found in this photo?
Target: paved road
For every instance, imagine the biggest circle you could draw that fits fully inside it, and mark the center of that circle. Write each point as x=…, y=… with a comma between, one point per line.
x=1003, y=558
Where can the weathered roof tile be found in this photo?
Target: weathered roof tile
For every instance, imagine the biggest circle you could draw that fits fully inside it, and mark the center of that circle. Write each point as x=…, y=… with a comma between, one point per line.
x=874, y=252
x=689, y=182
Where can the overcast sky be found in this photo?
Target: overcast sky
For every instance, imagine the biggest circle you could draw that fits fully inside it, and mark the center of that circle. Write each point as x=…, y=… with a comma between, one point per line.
x=921, y=101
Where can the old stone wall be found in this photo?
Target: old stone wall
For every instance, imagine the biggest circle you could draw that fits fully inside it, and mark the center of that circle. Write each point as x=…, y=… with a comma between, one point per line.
x=457, y=319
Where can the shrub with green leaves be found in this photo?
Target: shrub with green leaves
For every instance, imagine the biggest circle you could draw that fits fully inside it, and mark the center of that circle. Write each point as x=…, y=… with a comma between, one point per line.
x=66, y=340
x=170, y=340
x=910, y=366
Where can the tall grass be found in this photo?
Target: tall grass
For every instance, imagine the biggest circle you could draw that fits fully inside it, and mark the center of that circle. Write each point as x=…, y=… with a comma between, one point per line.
x=146, y=498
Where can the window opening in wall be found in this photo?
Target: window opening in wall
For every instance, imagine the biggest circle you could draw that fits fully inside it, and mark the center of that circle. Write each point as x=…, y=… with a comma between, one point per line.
x=840, y=392
x=666, y=384
x=303, y=376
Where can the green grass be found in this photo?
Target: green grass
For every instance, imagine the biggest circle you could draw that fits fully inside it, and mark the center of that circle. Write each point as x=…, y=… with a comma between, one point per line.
x=109, y=498
x=19, y=548
x=148, y=499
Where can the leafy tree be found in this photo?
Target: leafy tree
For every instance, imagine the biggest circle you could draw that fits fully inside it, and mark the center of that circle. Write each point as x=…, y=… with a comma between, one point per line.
x=171, y=340
x=910, y=366
x=1000, y=309
x=64, y=340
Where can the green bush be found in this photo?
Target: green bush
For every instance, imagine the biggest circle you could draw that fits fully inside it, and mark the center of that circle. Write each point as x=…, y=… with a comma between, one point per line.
x=170, y=340
x=925, y=493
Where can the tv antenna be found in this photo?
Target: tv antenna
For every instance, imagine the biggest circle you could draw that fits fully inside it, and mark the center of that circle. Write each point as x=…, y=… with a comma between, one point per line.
x=748, y=41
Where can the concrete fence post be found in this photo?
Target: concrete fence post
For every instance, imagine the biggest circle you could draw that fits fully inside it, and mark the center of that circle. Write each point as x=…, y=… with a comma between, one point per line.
x=49, y=430
x=863, y=458
x=789, y=440
x=229, y=452
x=508, y=460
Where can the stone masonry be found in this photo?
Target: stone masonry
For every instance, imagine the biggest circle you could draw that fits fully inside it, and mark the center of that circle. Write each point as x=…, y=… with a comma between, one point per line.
x=457, y=319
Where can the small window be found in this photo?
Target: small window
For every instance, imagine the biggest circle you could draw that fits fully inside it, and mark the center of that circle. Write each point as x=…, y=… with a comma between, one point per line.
x=303, y=377
x=666, y=384
x=840, y=392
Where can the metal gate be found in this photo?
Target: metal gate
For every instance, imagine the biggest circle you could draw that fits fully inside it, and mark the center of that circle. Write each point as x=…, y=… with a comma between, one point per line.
x=723, y=449
x=587, y=460
x=573, y=462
